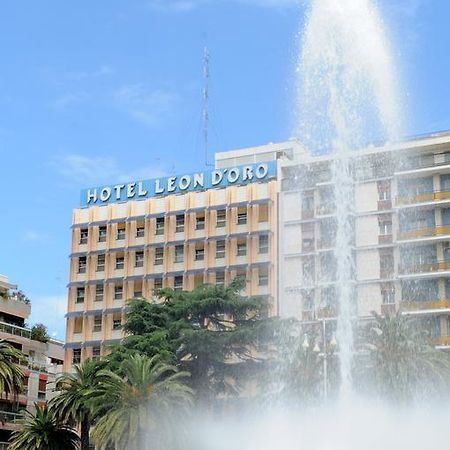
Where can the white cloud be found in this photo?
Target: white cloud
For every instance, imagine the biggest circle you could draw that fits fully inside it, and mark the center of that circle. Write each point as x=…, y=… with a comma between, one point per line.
x=34, y=236
x=50, y=311
x=148, y=106
x=69, y=99
x=96, y=170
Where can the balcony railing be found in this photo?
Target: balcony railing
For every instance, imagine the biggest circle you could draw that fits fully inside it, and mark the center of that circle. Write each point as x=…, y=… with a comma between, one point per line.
x=424, y=305
x=441, y=340
x=424, y=198
x=9, y=417
x=326, y=312
x=424, y=232
x=435, y=266
x=325, y=209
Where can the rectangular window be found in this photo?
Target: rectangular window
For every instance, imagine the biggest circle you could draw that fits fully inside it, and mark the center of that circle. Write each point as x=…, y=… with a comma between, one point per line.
x=385, y=227
x=120, y=233
x=179, y=254
x=220, y=278
x=101, y=263
x=118, y=292
x=179, y=226
x=242, y=218
x=200, y=223
x=263, y=244
x=140, y=231
x=241, y=249
x=84, y=233
x=117, y=323
x=178, y=283
x=158, y=283
x=388, y=294
x=102, y=234
x=97, y=324
x=199, y=254
x=138, y=294
x=99, y=293
x=263, y=278
x=82, y=264
x=80, y=295
x=159, y=225
x=76, y=356
x=139, y=259
x=159, y=256
x=96, y=352
x=221, y=218
x=220, y=249
x=120, y=262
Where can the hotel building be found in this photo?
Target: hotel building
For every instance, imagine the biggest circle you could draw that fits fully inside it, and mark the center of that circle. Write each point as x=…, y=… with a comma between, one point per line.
x=44, y=359
x=268, y=213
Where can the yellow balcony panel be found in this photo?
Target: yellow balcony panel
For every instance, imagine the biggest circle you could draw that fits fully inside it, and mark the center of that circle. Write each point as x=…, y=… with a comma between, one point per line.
x=324, y=313
x=441, y=340
x=438, y=266
x=424, y=198
x=424, y=232
x=422, y=306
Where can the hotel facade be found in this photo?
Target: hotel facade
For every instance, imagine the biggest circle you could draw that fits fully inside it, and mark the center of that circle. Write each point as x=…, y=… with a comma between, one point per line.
x=268, y=213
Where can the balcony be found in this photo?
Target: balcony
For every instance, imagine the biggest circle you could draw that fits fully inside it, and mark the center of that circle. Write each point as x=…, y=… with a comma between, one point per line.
x=326, y=312
x=427, y=268
x=428, y=232
x=387, y=309
x=441, y=341
x=426, y=197
x=325, y=210
x=422, y=306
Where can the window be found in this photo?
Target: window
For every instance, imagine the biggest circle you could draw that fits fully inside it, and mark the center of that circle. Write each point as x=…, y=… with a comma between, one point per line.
x=242, y=218
x=99, y=293
x=140, y=231
x=96, y=351
x=159, y=225
x=385, y=227
x=220, y=249
x=102, y=234
x=117, y=323
x=241, y=248
x=84, y=233
x=221, y=218
x=199, y=254
x=97, y=324
x=179, y=226
x=220, y=278
x=120, y=262
x=159, y=256
x=178, y=283
x=388, y=294
x=76, y=356
x=118, y=292
x=263, y=213
x=120, y=233
x=139, y=259
x=263, y=244
x=80, y=295
x=100, y=263
x=158, y=283
x=138, y=294
x=82, y=264
x=263, y=278
x=179, y=254
x=200, y=223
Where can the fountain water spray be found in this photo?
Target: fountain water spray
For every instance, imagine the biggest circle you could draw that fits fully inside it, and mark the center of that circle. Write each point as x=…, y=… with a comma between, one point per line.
x=346, y=98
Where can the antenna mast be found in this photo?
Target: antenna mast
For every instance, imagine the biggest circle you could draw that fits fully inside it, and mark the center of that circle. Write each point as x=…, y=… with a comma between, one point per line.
x=206, y=103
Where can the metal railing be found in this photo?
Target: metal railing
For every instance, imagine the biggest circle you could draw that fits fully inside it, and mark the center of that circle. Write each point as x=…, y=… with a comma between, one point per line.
x=423, y=197
x=434, y=266
x=424, y=232
x=9, y=417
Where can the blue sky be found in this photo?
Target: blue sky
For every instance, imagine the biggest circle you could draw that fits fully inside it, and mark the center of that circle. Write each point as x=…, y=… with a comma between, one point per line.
x=97, y=92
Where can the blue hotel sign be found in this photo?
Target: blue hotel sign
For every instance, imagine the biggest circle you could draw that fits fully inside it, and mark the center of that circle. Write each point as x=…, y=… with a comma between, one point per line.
x=141, y=190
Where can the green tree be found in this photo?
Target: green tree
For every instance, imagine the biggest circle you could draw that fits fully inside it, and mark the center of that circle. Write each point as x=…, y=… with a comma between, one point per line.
x=213, y=332
x=11, y=375
x=39, y=333
x=397, y=360
x=143, y=407
x=43, y=431
x=72, y=404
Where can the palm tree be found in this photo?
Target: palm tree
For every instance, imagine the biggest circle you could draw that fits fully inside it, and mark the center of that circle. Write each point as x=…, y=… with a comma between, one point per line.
x=11, y=375
x=398, y=361
x=145, y=401
x=73, y=403
x=43, y=431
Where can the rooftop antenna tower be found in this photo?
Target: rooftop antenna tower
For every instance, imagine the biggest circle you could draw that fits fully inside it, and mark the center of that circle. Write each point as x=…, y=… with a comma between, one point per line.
x=206, y=75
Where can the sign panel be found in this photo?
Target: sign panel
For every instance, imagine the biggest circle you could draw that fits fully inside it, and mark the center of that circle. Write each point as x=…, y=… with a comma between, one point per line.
x=144, y=189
